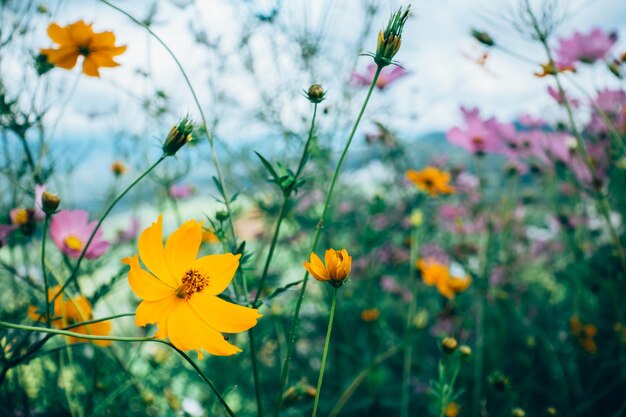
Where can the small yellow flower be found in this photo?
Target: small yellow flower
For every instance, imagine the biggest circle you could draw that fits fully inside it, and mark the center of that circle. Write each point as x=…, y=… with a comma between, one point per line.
x=79, y=39
x=551, y=69
x=118, y=168
x=417, y=218
x=449, y=344
x=431, y=180
x=336, y=269
x=585, y=333
x=69, y=312
x=371, y=314
x=436, y=274
x=452, y=410
x=179, y=292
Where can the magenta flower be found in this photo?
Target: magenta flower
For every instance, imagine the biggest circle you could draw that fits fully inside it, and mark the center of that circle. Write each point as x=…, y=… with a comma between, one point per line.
x=613, y=104
x=585, y=48
x=480, y=136
x=180, y=191
x=5, y=232
x=70, y=230
x=530, y=121
x=39, y=215
x=386, y=77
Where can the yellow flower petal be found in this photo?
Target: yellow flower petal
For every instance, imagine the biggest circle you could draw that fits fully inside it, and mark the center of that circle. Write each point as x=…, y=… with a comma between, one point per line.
x=90, y=68
x=156, y=312
x=182, y=247
x=153, y=255
x=143, y=284
x=219, y=268
x=316, y=268
x=64, y=57
x=79, y=33
x=58, y=34
x=222, y=315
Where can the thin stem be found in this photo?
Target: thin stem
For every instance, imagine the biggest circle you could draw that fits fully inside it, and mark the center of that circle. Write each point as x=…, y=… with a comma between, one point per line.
x=205, y=128
x=408, y=348
x=74, y=274
x=44, y=274
x=318, y=232
x=325, y=354
x=129, y=340
x=255, y=375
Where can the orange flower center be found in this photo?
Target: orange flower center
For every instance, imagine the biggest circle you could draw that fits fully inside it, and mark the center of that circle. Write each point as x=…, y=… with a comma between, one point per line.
x=21, y=216
x=192, y=282
x=74, y=243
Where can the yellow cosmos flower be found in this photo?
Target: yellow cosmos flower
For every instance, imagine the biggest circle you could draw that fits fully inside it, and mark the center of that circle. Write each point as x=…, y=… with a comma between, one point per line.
x=452, y=410
x=371, y=314
x=69, y=312
x=179, y=292
x=337, y=268
x=78, y=38
x=431, y=180
x=436, y=274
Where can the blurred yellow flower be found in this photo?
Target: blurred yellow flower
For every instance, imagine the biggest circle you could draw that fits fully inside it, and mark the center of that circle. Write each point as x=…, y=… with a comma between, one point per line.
x=79, y=39
x=452, y=410
x=585, y=333
x=437, y=274
x=337, y=268
x=371, y=314
x=118, y=168
x=179, y=292
x=68, y=313
x=209, y=237
x=432, y=180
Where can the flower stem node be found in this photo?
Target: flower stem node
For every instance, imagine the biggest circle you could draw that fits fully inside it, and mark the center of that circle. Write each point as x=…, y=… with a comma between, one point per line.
x=483, y=37
x=50, y=203
x=316, y=94
x=390, y=39
x=179, y=136
x=335, y=269
x=449, y=345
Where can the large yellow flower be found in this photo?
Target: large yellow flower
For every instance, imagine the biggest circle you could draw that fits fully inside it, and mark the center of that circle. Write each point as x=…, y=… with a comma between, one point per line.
x=336, y=269
x=431, y=180
x=180, y=292
x=78, y=38
x=67, y=313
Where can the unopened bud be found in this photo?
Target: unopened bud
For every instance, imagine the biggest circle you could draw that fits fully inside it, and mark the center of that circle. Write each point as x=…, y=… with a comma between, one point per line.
x=221, y=216
x=390, y=39
x=316, y=94
x=118, y=168
x=449, y=344
x=465, y=350
x=178, y=137
x=49, y=202
x=483, y=37
x=518, y=412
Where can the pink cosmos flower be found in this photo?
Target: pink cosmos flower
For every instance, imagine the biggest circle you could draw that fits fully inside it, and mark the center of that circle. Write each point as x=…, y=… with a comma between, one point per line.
x=560, y=99
x=613, y=104
x=70, y=230
x=480, y=136
x=386, y=77
x=530, y=121
x=585, y=48
x=39, y=215
x=180, y=191
x=5, y=232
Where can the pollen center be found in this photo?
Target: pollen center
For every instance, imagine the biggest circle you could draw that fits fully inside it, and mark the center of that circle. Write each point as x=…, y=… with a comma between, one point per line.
x=193, y=281
x=84, y=50
x=21, y=216
x=73, y=243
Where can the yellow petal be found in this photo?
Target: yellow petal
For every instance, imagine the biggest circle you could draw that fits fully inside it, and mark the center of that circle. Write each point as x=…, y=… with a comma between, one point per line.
x=143, y=284
x=96, y=329
x=156, y=312
x=219, y=268
x=90, y=68
x=102, y=40
x=79, y=33
x=77, y=309
x=222, y=315
x=58, y=34
x=182, y=247
x=63, y=57
x=153, y=255
x=187, y=331
x=103, y=59
x=316, y=268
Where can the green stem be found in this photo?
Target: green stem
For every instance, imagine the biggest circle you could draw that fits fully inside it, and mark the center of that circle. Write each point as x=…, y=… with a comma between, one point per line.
x=270, y=254
x=205, y=128
x=128, y=340
x=74, y=274
x=408, y=348
x=318, y=232
x=44, y=274
x=325, y=354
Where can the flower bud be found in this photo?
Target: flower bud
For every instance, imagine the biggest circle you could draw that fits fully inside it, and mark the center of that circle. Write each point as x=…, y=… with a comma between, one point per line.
x=316, y=94
x=118, y=168
x=390, y=39
x=518, y=412
x=449, y=344
x=551, y=411
x=49, y=203
x=465, y=350
x=178, y=137
x=483, y=37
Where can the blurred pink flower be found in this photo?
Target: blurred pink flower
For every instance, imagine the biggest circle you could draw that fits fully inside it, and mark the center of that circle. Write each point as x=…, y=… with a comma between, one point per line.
x=554, y=93
x=613, y=104
x=130, y=233
x=70, y=230
x=585, y=48
x=385, y=78
x=180, y=191
x=5, y=232
x=39, y=215
x=480, y=136
x=434, y=252
x=530, y=121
